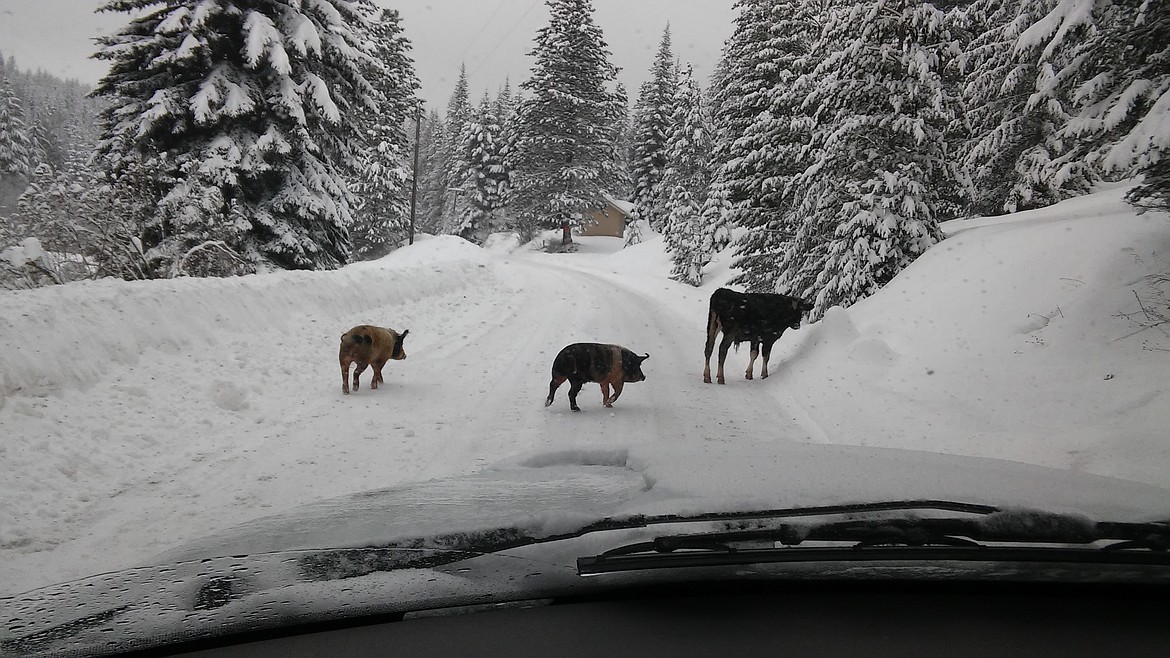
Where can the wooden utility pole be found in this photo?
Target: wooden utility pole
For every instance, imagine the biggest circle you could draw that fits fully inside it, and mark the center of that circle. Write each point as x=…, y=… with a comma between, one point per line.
x=414, y=178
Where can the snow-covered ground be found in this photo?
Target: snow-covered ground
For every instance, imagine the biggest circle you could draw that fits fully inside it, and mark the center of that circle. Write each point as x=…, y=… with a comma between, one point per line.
x=138, y=416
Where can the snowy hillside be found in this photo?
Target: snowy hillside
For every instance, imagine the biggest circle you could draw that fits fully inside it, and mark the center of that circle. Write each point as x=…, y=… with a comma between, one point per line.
x=1008, y=340
x=139, y=416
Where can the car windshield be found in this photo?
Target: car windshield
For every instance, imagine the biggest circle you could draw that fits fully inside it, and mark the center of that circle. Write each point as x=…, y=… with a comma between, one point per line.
x=586, y=269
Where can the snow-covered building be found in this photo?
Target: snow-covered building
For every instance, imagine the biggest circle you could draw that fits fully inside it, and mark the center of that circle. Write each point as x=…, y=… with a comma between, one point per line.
x=608, y=220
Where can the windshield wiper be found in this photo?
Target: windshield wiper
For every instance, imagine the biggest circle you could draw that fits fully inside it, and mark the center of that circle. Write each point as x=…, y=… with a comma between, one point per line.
x=903, y=537
x=1025, y=536
x=437, y=550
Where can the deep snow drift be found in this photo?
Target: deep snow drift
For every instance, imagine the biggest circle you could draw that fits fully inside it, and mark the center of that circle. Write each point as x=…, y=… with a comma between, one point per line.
x=138, y=416
x=1020, y=338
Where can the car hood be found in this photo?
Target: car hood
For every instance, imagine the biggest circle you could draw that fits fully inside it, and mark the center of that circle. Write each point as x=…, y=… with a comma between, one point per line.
x=556, y=492
x=485, y=536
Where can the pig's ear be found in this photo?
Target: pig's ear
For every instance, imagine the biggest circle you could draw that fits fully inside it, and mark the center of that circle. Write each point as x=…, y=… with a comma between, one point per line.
x=643, y=358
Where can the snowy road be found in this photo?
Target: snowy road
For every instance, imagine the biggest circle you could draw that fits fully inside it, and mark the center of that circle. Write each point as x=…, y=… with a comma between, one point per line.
x=240, y=424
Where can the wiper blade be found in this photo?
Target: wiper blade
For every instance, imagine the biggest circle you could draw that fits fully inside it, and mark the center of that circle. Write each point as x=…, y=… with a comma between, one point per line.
x=591, y=566
x=437, y=550
x=1003, y=536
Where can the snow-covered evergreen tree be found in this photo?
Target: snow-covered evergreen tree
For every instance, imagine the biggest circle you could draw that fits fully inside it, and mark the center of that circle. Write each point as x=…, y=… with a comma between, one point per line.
x=48, y=147
x=623, y=188
x=487, y=175
x=768, y=148
x=565, y=154
x=505, y=108
x=686, y=180
x=432, y=174
x=382, y=190
x=505, y=103
x=456, y=194
x=1119, y=75
x=741, y=89
x=37, y=214
x=242, y=116
x=878, y=115
x=1016, y=158
x=16, y=148
x=652, y=116
x=716, y=209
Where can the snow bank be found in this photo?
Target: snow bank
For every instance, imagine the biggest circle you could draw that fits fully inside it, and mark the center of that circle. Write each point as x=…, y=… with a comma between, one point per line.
x=68, y=336
x=427, y=250
x=502, y=243
x=1006, y=340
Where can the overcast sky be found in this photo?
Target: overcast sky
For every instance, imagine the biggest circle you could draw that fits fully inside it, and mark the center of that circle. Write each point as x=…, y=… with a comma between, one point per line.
x=492, y=36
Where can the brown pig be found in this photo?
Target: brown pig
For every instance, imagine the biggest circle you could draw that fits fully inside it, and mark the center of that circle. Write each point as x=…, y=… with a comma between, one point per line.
x=369, y=345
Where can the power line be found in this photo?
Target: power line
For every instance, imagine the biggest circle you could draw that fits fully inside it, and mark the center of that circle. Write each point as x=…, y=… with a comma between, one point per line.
x=482, y=28
x=505, y=37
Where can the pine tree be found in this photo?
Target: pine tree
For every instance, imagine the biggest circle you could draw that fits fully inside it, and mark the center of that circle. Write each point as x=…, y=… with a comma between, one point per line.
x=505, y=108
x=768, y=148
x=1015, y=156
x=505, y=102
x=652, y=128
x=36, y=213
x=16, y=148
x=741, y=91
x=432, y=174
x=1121, y=97
x=877, y=141
x=241, y=116
x=382, y=191
x=686, y=180
x=455, y=192
x=716, y=209
x=623, y=188
x=565, y=155
x=486, y=174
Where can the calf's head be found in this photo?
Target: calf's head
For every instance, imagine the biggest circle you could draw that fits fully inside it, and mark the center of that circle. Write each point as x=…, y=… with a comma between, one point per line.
x=632, y=367
x=399, y=353
x=800, y=307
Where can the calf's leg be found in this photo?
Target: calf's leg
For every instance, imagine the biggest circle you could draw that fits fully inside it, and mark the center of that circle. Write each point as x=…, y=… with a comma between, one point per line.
x=575, y=388
x=752, y=360
x=557, y=380
x=767, y=354
x=712, y=331
x=724, y=345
